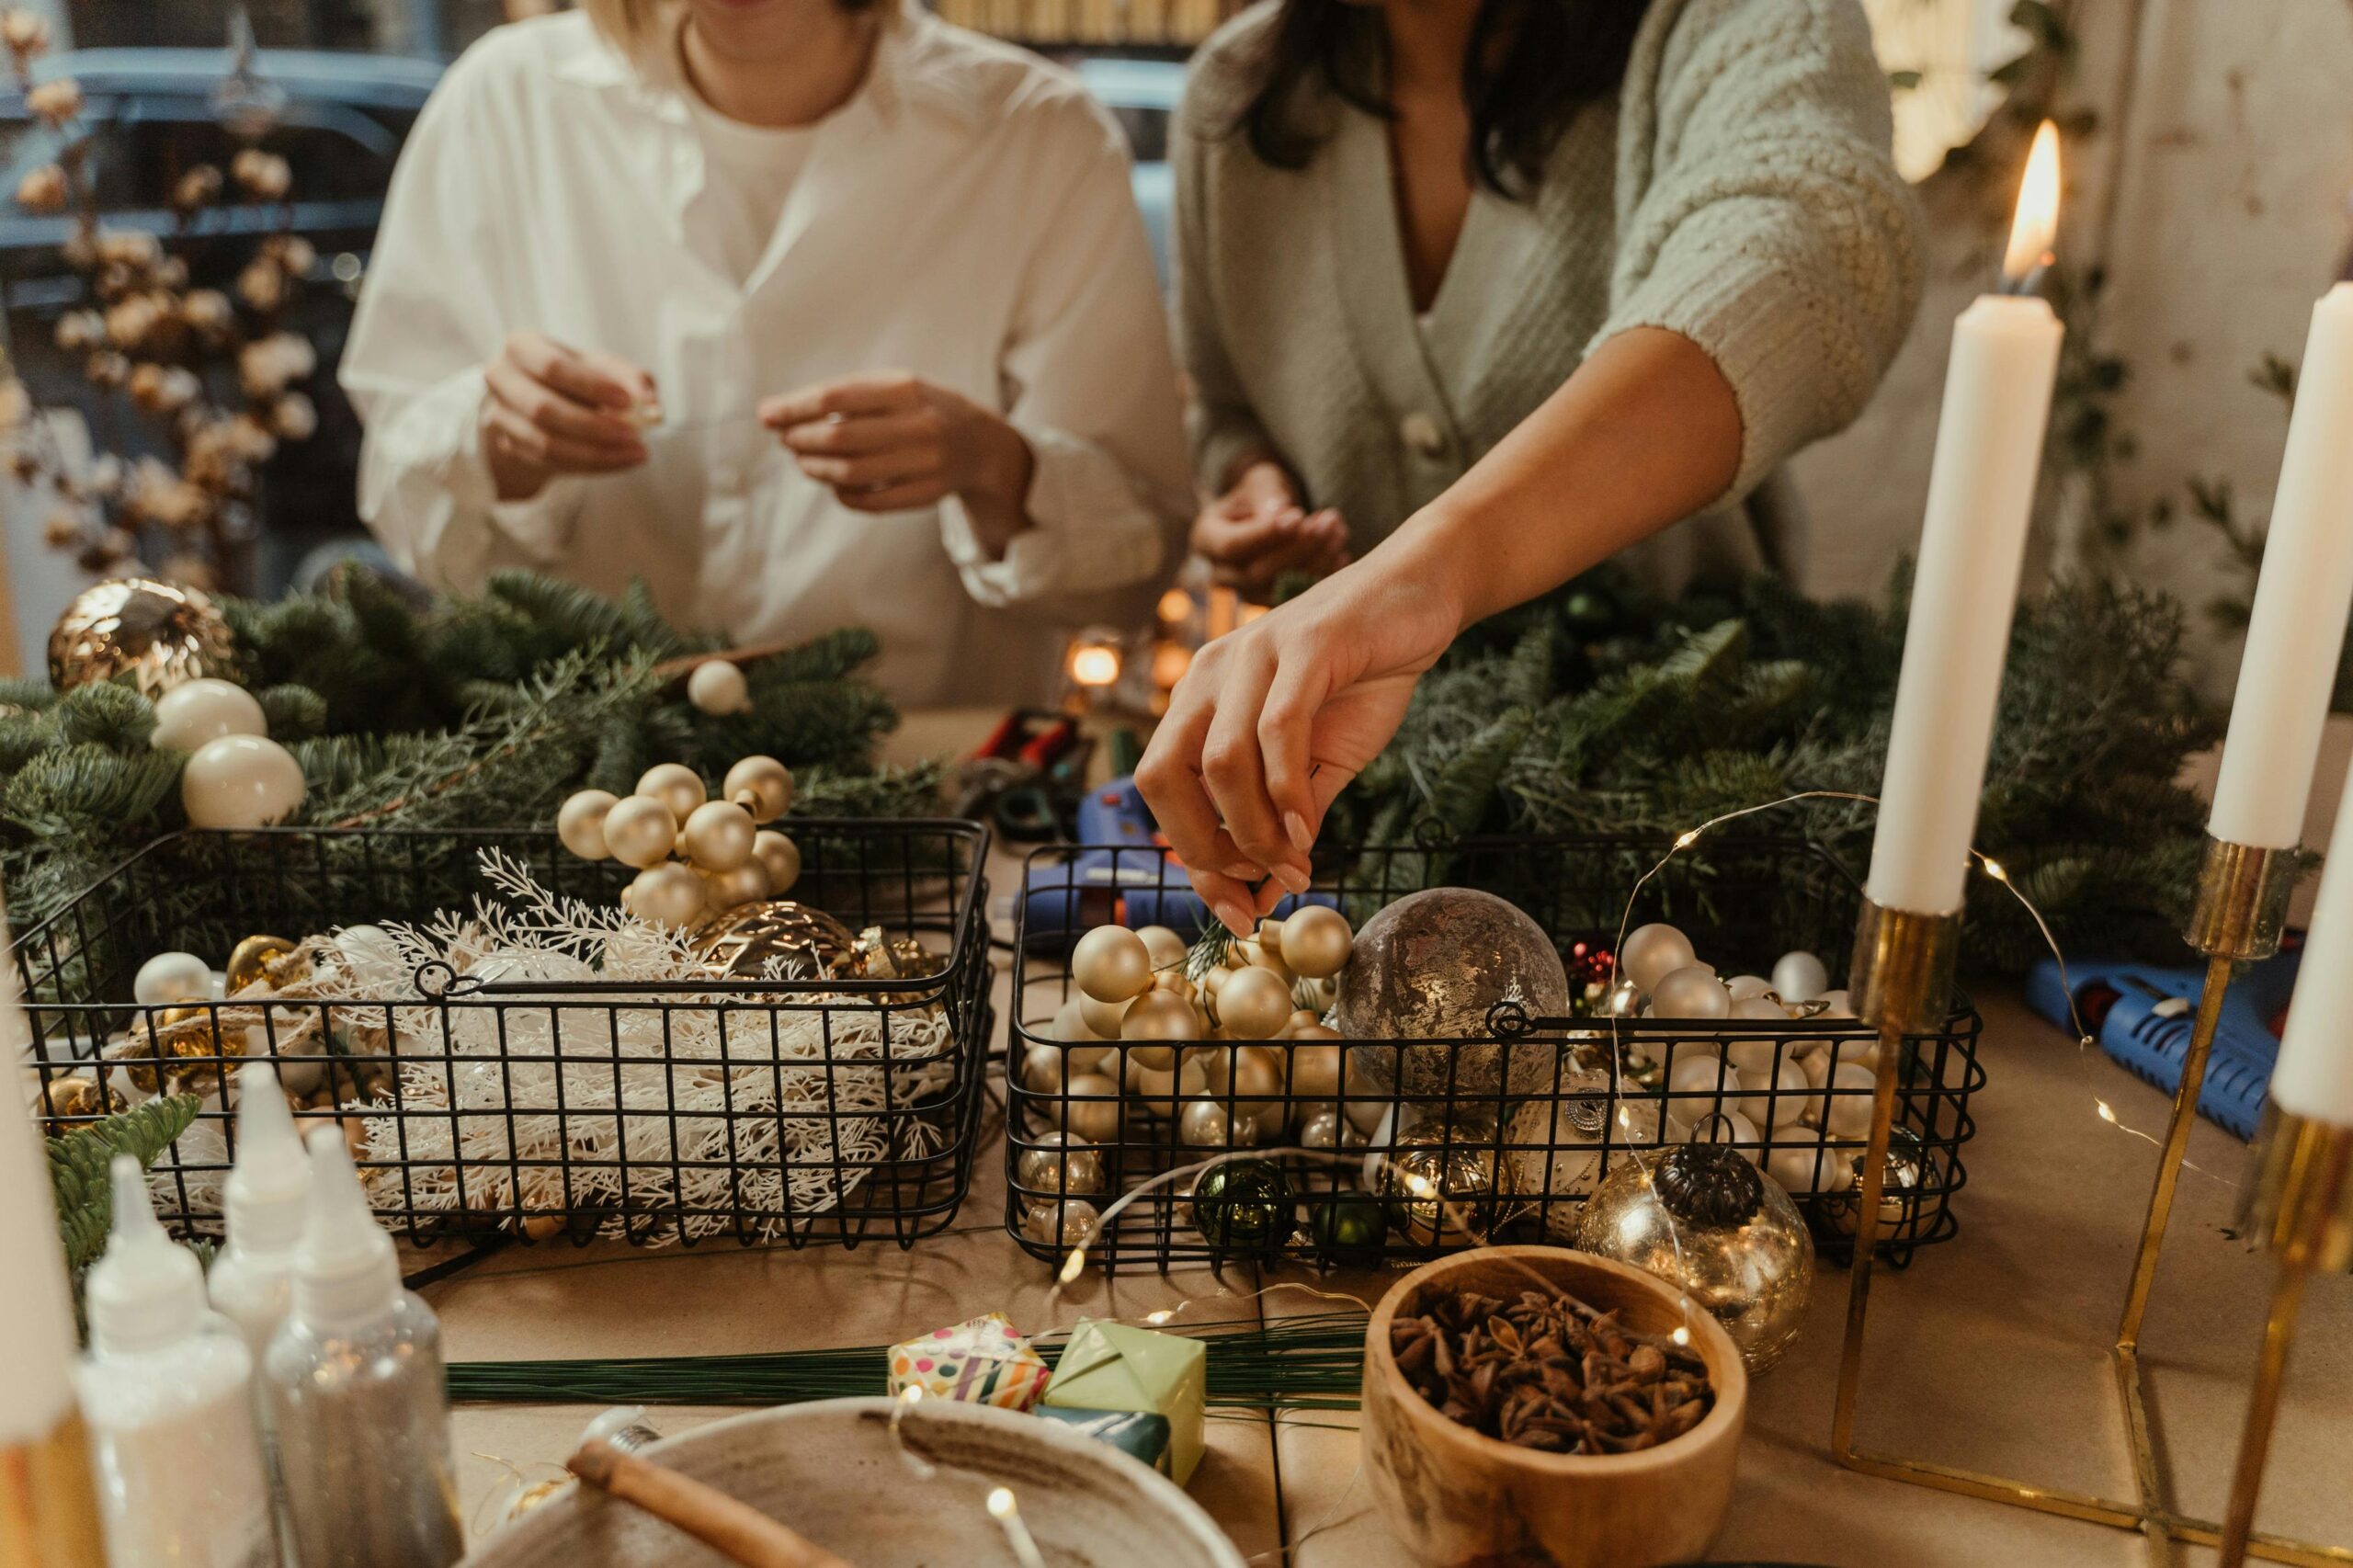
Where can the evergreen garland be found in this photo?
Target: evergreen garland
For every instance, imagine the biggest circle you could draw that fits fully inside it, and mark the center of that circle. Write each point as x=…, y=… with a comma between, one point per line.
x=480, y=712
x=80, y=1170
x=1599, y=712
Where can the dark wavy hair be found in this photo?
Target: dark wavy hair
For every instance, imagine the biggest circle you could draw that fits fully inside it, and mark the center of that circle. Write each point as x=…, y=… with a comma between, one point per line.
x=1530, y=66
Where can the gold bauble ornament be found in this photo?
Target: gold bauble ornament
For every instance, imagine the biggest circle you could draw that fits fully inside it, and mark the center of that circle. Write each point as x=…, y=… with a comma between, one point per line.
x=1161, y=1014
x=777, y=940
x=1167, y=948
x=640, y=831
x=1058, y=1165
x=1315, y=1067
x=781, y=856
x=719, y=687
x=676, y=785
x=580, y=823
x=74, y=1096
x=1317, y=941
x=1443, y=1185
x=158, y=634
x=747, y=883
x=1111, y=964
x=718, y=835
x=1701, y=1216
x=180, y=1035
x=1105, y=1018
x=668, y=896
x=1899, y=1198
x=761, y=785
x=253, y=958
x=204, y=710
x=1253, y=1075
x=1254, y=1004
x=1088, y=1108
x=240, y=782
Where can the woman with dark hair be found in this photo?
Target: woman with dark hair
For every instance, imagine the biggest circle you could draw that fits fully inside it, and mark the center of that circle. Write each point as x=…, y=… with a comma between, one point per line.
x=805, y=313
x=1482, y=292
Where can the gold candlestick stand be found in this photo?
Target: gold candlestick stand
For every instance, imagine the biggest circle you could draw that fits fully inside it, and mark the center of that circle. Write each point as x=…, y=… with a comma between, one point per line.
x=48, y=1508
x=1900, y=982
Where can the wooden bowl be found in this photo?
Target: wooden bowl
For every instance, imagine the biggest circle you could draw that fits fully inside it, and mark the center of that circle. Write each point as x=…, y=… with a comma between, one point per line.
x=1456, y=1497
x=832, y=1471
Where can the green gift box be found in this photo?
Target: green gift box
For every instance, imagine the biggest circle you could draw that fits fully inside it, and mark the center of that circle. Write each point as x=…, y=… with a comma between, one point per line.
x=1109, y=1366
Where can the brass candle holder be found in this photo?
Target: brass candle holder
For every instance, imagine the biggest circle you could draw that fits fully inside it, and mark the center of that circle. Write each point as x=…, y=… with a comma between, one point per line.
x=49, y=1505
x=1899, y=983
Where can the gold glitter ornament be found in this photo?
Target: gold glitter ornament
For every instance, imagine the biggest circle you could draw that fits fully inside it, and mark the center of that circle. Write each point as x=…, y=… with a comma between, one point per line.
x=158, y=634
x=1701, y=1216
x=253, y=958
x=1442, y=1185
x=188, y=1041
x=1431, y=966
x=761, y=785
x=74, y=1096
x=781, y=940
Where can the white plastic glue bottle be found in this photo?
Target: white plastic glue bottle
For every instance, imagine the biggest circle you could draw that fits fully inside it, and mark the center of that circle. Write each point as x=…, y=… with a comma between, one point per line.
x=264, y=1201
x=355, y=1389
x=167, y=1392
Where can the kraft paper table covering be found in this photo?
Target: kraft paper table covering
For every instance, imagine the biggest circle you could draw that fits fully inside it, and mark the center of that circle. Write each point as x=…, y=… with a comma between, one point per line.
x=1991, y=1351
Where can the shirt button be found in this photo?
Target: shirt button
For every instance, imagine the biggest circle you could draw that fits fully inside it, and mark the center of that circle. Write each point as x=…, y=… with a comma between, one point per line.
x=1422, y=433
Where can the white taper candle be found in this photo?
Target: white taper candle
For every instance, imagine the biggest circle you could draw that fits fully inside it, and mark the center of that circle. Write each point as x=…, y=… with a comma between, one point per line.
x=36, y=1307
x=2289, y=669
x=2314, y=1074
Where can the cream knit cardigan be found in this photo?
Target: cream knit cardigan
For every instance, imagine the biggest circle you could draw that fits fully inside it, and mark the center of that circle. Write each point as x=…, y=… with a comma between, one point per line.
x=1738, y=190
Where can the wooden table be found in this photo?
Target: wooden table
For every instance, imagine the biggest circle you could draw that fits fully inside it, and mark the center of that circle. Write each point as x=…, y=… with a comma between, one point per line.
x=1990, y=1351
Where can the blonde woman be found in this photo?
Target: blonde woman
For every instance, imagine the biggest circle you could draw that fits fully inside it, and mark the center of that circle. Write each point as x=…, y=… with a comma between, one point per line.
x=1484, y=292
x=808, y=313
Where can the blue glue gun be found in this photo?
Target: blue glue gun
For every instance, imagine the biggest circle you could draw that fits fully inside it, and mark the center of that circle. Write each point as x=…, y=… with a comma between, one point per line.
x=2142, y=1016
x=1121, y=872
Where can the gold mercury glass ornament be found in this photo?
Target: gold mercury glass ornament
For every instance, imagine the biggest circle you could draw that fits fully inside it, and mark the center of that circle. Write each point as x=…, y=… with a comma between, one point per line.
x=1443, y=1185
x=1899, y=1201
x=158, y=634
x=254, y=959
x=777, y=938
x=1700, y=1216
x=75, y=1095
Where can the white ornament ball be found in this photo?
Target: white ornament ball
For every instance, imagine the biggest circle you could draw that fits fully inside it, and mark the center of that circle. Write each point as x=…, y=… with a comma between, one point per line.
x=580, y=823
x=1800, y=977
x=1725, y=1127
x=172, y=977
x=1835, y=1004
x=1111, y=964
x=1166, y=948
x=718, y=835
x=1747, y=987
x=1698, y=1073
x=1254, y=1004
x=1317, y=941
x=669, y=895
x=241, y=781
x=1776, y=1095
x=761, y=785
x=1652, y=952
x=676, y=785
x=640, y=831
x=718, y=687
x=1691, y=992
x=205, y=710
x=781, y=856
x=1848, y=1112
x=1805, y=1168
x=1089, y=1107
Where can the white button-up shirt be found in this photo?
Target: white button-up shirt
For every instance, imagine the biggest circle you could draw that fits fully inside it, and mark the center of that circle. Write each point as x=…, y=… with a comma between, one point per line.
x=966, y=216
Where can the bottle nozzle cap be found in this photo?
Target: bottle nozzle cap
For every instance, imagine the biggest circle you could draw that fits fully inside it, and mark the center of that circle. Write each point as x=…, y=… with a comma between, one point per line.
x=147, y=1290
x=268, y=1192
x=346, y=1273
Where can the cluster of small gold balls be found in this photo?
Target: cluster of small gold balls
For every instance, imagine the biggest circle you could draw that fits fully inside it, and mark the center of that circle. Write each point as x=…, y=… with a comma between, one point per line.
x=1138, y=1014
x=729, y=857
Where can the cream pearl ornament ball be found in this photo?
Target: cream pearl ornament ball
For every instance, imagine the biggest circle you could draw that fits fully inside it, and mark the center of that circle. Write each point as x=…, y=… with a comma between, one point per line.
x=1161, y=1015
x=205, y=710
x=676, y=785
x=718, y=835
x=1111, y=964
x=1165, y=948
x=1692, y=992
x=1848, y=1113
x=172, y=977
x=1800, y=977
x=668, y=896
x=239, y=782
x=717, y=686
x=580, y=823
x=779, y=856
x=1317, y=941
x=640, y=831
x=761, y=785
x=1254, y=1004
x=1651, y=953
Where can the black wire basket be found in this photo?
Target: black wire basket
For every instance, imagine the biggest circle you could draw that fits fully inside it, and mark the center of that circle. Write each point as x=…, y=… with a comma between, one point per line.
x=1433, y=1164
x=762, y=1109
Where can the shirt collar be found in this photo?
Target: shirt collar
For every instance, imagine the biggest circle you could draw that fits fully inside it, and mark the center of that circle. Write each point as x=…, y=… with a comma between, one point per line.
x=915, y=61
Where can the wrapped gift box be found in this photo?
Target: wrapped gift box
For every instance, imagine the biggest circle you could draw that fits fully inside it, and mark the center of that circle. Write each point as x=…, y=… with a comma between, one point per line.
x=983, y=1361
x=1111, y=1367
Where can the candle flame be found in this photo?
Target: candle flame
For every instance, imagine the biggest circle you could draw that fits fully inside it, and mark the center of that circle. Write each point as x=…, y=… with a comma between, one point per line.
x=2036, y=224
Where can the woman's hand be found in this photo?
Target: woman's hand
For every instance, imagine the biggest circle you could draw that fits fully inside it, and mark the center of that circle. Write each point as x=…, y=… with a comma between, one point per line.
x=884, y=443
x=1256, y=531
x=1272, y=720
x=555, y=410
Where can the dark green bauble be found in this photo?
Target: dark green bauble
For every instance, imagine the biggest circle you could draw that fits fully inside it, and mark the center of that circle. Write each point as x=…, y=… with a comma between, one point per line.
x=1244, y=1206
x=1348, y=1228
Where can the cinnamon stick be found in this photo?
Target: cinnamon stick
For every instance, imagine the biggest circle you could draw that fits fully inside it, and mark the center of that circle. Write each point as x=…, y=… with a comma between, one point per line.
x=736, y=1530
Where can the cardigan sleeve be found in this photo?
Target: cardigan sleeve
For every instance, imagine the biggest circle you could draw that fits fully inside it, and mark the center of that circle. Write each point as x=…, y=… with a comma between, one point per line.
x=1223, y=427
x=1760, y=214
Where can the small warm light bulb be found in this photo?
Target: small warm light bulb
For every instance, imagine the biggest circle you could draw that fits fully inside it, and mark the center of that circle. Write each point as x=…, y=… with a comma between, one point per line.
x=1094, y=666
x=1682, y=1335
x=911, y=1393
x=1176, y=605
x=1418, y=1185
x=1072, y=1264
x=1163, y=1315
x=1001, y=1504
x=2036, y=224
x=1686, y=839
x=2105, y=1112
x=1993, y=870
